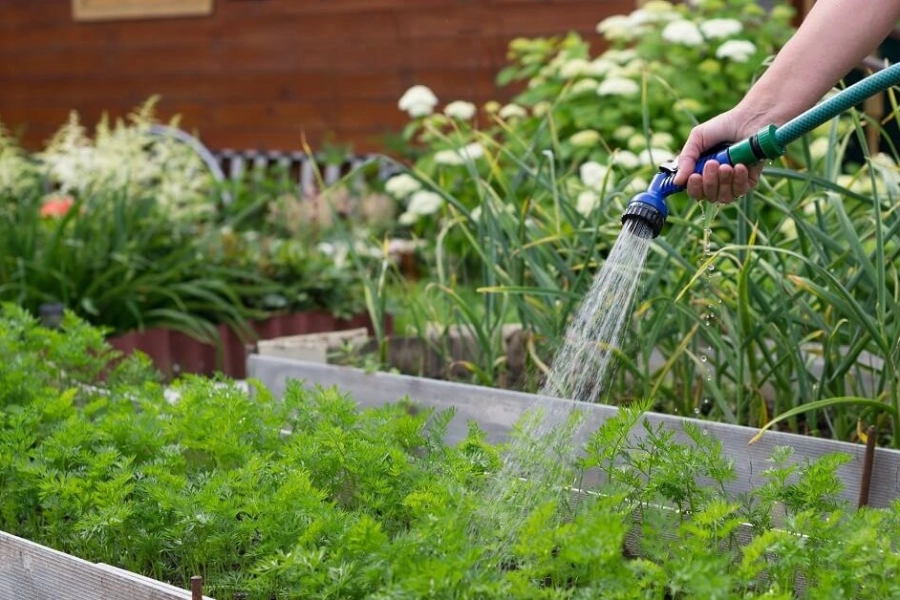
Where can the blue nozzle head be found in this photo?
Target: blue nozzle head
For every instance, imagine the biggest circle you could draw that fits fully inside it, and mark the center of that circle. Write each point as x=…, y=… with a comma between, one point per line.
x=646, y=213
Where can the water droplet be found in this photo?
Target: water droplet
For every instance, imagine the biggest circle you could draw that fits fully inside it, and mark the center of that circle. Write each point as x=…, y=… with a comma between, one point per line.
x=711, y=267
x=697, y=410
x=703, y=358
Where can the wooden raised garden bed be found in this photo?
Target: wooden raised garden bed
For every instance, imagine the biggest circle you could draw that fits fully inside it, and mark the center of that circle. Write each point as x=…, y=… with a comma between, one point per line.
x=29, y=571
x=496, y=411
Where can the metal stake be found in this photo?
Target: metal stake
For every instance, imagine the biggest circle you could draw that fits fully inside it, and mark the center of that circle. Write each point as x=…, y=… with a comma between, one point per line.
x=868, y=462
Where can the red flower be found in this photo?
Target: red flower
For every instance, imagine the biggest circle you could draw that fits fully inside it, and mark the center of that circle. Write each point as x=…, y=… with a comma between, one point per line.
x=56, y=206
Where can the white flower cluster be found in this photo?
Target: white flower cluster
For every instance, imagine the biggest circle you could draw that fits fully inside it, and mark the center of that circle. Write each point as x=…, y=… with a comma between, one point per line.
x=676, y=29
x=625, y=28
x=459, y=156
x=419, y=202
x=418, y=101
x=16, y=171
x=460, y=110
x=127, y=158
x=402, y=185
x=618, y=86
x=512, y=111
x=596, y=178
x=736, y=50
x=683, y=32
x=714, y=29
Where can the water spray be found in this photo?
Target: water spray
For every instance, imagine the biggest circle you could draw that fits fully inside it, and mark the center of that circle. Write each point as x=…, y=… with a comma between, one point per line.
x=646, y=213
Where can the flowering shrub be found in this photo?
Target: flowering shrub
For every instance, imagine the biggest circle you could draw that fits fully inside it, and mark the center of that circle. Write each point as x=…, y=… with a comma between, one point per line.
x=620, y=112
x=666, y=67
x=125, y=157
x=17, y=172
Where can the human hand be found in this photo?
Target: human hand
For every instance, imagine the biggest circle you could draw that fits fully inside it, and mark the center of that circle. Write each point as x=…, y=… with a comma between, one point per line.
x=717, y=183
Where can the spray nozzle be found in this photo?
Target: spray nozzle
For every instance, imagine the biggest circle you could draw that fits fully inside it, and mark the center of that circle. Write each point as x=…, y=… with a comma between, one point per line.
x=646, y=213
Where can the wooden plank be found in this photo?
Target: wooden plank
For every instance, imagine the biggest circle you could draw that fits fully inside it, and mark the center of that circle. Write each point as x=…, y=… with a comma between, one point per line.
x=221, y=89
x=93, y=61
x=272, y=115
x=558, y=18
x=283, y=54
x=496, y=411
x=115, y=35
x=21, y=14
x=29, y=571
x=456, y=21
x=335, y=29
x=247, y=87
x=361, y=114
x=324, y=8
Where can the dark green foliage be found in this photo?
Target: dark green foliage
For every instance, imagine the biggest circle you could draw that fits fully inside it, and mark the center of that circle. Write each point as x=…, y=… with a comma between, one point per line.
x=310, y=497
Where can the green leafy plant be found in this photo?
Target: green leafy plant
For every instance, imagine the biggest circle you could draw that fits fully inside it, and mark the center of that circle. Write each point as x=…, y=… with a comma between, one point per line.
x=308, y=495
x=688, y=63
x=116, y=260
x=126, y=228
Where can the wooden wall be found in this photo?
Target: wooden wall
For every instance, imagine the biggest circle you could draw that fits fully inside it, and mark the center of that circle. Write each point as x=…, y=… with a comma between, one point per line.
x=260, y=73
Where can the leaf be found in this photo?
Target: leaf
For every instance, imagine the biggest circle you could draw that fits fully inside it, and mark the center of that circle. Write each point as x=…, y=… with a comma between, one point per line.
x=89, y=307
x=826, y=403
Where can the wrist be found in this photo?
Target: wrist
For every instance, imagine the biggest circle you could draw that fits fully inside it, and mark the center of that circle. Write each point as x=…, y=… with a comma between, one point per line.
x=751, y=115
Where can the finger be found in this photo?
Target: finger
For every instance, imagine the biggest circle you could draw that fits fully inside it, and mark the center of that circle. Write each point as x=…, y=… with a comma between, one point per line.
x=740, y=181
x=687, y=159
x=711, y=180
x=754, y=172
x=695, y=186
x=686, y=162
x=726, y=176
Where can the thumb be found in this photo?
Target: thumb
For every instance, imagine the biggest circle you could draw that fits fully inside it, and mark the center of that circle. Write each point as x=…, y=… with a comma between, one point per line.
x=687, y=158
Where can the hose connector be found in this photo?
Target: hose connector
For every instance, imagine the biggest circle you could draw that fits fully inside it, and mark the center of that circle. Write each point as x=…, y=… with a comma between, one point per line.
x=761, y=146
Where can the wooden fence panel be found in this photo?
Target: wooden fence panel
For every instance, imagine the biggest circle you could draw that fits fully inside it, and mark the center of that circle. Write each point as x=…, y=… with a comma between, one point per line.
x=351, y=59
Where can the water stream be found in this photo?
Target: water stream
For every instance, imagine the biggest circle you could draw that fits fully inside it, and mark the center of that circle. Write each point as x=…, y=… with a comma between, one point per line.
x=539, y=465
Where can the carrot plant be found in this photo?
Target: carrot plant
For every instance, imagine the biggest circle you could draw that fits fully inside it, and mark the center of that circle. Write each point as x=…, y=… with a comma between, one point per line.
x=308, y=496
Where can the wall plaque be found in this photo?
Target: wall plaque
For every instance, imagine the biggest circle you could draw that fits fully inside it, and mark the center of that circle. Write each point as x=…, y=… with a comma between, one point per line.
x=101, y=10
